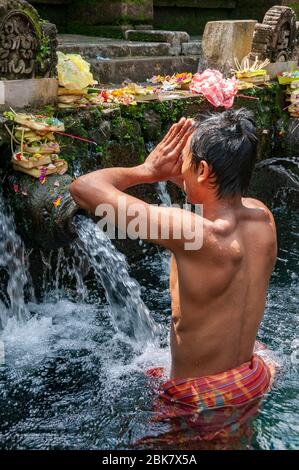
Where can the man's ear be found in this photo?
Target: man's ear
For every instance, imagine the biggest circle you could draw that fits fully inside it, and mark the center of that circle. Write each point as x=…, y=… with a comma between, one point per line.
x=203, y=172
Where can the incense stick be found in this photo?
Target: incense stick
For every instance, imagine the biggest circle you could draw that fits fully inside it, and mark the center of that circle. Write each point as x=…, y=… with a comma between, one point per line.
x=76, y=137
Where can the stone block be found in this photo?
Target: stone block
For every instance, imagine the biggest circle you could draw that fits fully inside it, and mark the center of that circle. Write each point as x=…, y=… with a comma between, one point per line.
x=225, y=40
x=140, y=68
x=192, y=48
x=172, y=37
x=27, y=92
x=175, y=50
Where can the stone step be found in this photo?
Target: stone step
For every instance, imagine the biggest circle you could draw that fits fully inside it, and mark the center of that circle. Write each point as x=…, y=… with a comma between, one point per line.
x=92, y=48
x=116, y=49
x=138, y=69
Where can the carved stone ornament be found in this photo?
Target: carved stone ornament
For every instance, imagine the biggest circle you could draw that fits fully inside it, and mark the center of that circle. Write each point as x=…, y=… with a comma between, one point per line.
x=27, y=44
x=276, y=37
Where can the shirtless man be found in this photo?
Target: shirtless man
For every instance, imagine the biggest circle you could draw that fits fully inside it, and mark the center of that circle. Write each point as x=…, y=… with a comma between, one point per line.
x=219, y=291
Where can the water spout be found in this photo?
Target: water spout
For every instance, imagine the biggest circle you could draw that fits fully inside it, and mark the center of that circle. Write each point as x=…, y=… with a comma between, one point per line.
x=44, y=212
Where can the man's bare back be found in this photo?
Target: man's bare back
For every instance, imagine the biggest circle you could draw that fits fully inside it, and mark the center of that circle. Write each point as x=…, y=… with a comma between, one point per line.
x=219, y=292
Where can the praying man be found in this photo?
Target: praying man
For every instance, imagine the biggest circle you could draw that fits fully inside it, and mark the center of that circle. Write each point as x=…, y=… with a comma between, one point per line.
x=219, y=285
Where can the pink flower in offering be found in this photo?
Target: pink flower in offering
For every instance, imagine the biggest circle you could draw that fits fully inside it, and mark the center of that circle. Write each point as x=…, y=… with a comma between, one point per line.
x=218, y=90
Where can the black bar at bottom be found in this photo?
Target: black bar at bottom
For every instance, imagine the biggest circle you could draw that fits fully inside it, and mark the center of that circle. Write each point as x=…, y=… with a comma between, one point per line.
x=136, y=459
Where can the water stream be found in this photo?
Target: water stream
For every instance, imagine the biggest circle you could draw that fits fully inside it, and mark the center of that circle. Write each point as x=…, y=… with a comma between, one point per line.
x=128, y=312
x=13, y=266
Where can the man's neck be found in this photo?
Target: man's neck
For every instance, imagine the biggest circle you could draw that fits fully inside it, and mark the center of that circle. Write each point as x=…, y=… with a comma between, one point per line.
x=215, y=208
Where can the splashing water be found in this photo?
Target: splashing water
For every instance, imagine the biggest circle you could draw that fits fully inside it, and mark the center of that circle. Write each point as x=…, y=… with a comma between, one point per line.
x=13, y=261
x=63, y=270
x=129, y=314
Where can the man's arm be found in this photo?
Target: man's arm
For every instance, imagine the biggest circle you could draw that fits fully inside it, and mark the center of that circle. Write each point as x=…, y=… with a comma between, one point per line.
x=107, y=187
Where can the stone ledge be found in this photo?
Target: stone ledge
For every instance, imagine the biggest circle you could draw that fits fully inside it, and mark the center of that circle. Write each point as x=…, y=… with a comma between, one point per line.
x=140, y=68
x=175, y=38
x=28, y=92
x=114, y=49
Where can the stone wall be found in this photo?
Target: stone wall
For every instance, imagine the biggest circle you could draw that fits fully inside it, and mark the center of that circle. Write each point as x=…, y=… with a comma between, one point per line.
x=95, y=17
x=55, y=11
x=192, y=15
x=99, y=17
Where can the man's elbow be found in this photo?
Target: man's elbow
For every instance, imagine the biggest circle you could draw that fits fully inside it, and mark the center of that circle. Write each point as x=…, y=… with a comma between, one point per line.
x=78, y=190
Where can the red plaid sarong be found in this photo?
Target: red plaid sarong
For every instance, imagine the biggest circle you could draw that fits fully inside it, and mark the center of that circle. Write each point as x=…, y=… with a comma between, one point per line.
x=215, y=88
x=216, y=408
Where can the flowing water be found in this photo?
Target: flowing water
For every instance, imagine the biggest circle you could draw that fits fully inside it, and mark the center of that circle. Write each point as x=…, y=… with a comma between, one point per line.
x=73, y=375
x=13, y=269
x=129, y=314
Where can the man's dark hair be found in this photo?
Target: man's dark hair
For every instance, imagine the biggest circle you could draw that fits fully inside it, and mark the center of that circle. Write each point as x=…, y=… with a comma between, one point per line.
x=228, y=143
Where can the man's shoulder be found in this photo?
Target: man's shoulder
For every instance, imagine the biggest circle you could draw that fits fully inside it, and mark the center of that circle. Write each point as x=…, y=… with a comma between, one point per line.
x=251, y=202
x=266, y=234
x=264, y=211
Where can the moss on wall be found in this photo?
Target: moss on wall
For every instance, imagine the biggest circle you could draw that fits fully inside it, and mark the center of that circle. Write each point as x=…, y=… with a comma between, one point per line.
x=272, y=121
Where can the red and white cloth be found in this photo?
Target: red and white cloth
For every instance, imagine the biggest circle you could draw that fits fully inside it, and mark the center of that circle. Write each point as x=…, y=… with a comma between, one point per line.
x=218, y=90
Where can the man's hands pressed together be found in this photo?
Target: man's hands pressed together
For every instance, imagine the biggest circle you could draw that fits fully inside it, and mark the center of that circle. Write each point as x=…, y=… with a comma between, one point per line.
x=96, y=191
x=165, y=161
